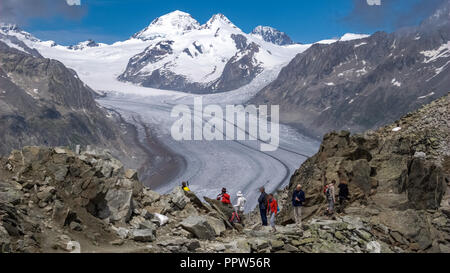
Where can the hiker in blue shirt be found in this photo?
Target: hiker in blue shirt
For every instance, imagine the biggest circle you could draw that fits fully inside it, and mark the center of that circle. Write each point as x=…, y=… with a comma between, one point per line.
x=298, y=198
x=262, y=201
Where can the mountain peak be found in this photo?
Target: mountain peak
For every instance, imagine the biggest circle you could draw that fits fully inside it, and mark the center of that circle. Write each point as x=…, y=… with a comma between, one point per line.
x=83, y=45
x=174, y=23
x=219, y=20
x=272, y=35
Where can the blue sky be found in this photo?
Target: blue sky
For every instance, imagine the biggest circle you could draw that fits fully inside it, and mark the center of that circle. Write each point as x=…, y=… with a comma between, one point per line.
x=304, y=20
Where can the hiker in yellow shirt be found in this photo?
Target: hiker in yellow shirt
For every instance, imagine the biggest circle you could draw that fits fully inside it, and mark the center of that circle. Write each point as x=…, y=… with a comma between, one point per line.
x=184, y=186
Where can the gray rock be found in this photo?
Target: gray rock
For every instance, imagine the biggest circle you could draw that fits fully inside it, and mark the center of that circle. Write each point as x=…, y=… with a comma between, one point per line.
x=143, y=235
x=421, y=155
x=150, y=197
x=10, y=192
x=258, y=243
x=76, y=226
x=199, y=227
x=425, y=184
x=118, y=202
x=60, y=173
x=193, y=245
x=276, y=244
x=178, y=198
x=131, y=174
x=121, y=232
x=46, y=194
x=216, y=224
x=290, y=248
x=444, y=248
x=60, y=150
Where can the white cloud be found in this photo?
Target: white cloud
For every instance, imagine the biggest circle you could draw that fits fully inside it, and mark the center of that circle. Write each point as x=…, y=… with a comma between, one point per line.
x=73, y=2
x=374, y=2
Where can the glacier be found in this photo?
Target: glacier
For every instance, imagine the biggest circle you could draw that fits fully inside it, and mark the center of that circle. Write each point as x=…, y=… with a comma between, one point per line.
x=208, y=165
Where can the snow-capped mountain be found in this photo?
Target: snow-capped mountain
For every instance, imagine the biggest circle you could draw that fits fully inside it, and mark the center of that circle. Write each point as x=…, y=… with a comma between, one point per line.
x=8, y=34
x=174, y=52
x=83, y=45
x=175, y=23
x=271, y=35
x=214, y=57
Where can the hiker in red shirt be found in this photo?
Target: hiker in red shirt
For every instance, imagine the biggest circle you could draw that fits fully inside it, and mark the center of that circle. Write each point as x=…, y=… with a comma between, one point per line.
x=272, y=210
x=224, y=197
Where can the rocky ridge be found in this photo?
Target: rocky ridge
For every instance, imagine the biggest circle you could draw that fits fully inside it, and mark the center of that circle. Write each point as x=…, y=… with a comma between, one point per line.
x=42, y=102
x=398, y=177
x=54, y=200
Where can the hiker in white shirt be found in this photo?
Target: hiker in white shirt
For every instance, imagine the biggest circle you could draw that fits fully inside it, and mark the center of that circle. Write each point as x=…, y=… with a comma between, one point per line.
x=240, y=205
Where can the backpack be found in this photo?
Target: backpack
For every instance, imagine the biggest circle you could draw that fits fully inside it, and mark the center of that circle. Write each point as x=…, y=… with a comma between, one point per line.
x=327, y=192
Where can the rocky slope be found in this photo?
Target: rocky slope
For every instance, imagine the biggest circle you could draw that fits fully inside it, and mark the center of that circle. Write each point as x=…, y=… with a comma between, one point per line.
x=365, y=83
x=44, y=103
x=398, y=178
x=55, y=200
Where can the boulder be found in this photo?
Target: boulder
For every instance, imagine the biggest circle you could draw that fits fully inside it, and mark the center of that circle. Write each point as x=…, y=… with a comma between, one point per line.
x=143, y=235
x=242, y=246
x=150, y=197
x=10, y=192
x=46, y=194
x=178, y=198
x=193, y=245
x=361, y=175
x=411, y=224
x=199, y=227
x=118, y=202
x=65, y=243
x=217, y=224
x=76, y=226
x=425, y=184
x=109, y=167
x=258, y=243
x=60, y=150
x=59, y=172
x=421, y=155
x=195, y=200
x=140, y=222
x=131, y=174
x=276, y=244
x=121, y=232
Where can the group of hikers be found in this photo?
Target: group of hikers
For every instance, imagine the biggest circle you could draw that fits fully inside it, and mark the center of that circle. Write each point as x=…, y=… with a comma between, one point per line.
x=268, y=205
